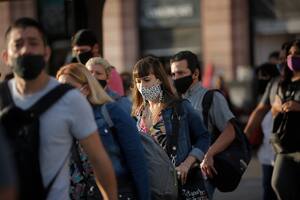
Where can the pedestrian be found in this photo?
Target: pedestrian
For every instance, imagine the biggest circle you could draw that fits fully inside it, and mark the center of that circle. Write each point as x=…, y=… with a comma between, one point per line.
x=286, y=110
x=27, y=53
x=101, y=70
x=122, y=142
x=185, y=69
x=156, y=108
x=85, y=46
x=261, y=118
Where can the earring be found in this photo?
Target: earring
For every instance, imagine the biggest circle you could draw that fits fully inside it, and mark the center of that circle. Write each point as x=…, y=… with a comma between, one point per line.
x=161, y=96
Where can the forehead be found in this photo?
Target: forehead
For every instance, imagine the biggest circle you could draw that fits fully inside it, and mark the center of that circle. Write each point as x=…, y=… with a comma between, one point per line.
x=96, y=67
x=180, y=65
x=24, y=33
x=294, y=50
x=149, y=76
x=81, y=48
x=65, y=78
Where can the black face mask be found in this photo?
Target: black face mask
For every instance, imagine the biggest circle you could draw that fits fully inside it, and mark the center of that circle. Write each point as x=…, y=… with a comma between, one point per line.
x=84, y=57
x=182, y=84
x=29, y=67
x=103, y=83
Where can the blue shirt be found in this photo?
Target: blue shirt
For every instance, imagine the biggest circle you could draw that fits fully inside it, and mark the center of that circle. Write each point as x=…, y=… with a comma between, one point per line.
x=193, y=138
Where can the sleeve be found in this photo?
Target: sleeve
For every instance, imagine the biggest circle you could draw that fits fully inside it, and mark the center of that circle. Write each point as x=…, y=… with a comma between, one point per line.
x=265, y=98
x=220, y=112
x=198, y=133
x=131, y=146
x=82, y=118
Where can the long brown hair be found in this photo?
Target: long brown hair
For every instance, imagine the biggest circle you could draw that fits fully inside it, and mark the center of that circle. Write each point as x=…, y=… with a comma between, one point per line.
x=144, y=67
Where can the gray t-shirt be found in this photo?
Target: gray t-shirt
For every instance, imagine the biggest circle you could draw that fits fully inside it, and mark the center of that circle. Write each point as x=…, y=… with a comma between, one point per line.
x=71, y=116
x=270, y=92
x=219, y=113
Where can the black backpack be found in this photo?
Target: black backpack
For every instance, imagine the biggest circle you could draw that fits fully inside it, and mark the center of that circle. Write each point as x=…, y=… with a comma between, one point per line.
x=233, y=161
x=22, y=127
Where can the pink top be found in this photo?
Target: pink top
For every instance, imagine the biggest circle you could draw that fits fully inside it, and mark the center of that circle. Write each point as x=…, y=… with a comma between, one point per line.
x=115, y=82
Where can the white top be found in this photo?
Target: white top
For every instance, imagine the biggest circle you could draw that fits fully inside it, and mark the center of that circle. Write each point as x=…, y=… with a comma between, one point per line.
x=265, y=152
x=69, y=116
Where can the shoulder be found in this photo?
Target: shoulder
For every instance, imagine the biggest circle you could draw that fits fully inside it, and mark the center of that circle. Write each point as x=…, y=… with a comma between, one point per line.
x=219, y=97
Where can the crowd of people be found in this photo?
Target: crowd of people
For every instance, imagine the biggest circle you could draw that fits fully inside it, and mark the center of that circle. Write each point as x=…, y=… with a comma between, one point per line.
x=87, y=144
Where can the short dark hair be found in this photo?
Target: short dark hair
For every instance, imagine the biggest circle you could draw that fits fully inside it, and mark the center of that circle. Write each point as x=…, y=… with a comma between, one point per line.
x=274, y=54
x=26, y=22
x=191, y=58
x=84, y=37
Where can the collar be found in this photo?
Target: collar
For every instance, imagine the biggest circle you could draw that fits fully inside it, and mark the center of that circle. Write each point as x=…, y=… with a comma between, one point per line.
x=194, y=88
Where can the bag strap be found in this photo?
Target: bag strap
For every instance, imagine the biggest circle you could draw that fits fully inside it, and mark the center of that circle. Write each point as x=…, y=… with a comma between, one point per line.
x=49, y=186
x=6, y=98
x=206, y=104
x=106, y=116
x=172, y=140
x=48, y=100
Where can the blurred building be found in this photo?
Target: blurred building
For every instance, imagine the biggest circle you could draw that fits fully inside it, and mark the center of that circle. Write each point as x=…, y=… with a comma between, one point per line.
x=231, y=35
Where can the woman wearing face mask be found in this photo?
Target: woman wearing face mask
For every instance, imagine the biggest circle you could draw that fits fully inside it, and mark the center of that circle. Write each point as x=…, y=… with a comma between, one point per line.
x=121, y=141
x=155, y=106
x=286, y=173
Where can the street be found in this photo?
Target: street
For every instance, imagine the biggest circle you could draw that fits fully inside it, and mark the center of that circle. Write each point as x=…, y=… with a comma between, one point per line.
x=250, y=186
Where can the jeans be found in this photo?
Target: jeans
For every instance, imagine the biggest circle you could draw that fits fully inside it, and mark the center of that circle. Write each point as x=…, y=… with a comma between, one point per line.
x=286, y=176
x=268, y=192
x=209, y=188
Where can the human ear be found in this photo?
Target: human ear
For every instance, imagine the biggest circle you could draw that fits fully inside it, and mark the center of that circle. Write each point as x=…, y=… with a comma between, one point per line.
x=95, y=50
x=47, y=53
x=4, y=56
x=196, y=74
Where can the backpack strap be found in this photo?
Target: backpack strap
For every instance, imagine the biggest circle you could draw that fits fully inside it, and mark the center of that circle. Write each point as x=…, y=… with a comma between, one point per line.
x=106, y=116
x=206, y=104
x=48, y=100
x=6, y=98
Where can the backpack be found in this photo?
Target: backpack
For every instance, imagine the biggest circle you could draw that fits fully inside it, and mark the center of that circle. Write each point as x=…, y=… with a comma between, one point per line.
x=233, y=161
x=158, y=164
x=22, y=128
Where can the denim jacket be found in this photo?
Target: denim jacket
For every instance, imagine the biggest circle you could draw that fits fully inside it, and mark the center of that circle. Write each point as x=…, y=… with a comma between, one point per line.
x=122, y=101
x=127, y=140
x=193, y=137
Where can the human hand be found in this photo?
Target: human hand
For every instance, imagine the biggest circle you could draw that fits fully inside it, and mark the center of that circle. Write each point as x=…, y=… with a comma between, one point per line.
x=276, y=106
x=207, y=166
x=290, y=106
x=182, y=172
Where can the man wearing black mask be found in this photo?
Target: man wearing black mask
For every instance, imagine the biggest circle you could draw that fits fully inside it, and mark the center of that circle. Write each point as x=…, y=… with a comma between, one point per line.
x=185, y=70
x=27, y=53
x=85, y=46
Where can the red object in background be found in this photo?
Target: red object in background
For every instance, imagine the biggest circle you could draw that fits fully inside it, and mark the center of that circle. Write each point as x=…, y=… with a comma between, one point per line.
x=207, y=75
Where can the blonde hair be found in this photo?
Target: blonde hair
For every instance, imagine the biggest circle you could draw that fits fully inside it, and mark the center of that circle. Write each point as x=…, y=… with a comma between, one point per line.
x=100, y=61
x=78, y=71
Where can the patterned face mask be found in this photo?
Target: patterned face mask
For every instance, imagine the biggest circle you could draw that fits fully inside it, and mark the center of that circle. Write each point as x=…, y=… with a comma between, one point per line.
x=151, y=93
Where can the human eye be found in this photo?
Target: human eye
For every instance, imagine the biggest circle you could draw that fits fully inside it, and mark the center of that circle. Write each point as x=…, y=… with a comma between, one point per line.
x=17, y=44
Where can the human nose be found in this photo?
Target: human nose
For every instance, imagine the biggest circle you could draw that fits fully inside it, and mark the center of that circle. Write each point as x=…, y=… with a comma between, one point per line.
x=26, y=49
